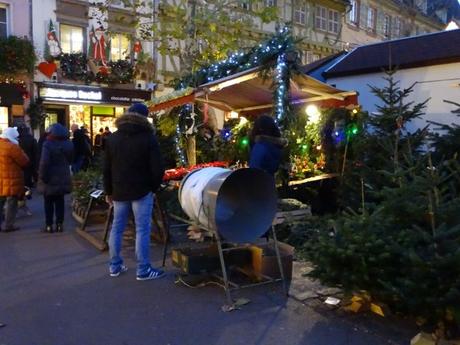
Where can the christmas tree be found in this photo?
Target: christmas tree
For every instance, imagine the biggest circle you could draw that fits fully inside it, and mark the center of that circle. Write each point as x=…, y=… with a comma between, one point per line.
x=401, y=243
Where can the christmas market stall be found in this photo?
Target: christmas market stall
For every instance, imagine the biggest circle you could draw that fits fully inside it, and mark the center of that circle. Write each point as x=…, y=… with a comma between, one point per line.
x=226, y=202
x=317, y=119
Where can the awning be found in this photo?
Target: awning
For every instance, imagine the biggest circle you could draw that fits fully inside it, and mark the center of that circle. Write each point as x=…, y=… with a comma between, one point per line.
x=248, y=93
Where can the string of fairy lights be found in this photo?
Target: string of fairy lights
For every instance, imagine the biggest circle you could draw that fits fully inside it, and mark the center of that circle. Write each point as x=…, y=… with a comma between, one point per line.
x=269, y=54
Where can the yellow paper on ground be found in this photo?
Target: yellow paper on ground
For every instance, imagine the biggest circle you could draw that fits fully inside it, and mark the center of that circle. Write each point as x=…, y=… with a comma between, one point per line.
x=354, y=307
x=377, y=309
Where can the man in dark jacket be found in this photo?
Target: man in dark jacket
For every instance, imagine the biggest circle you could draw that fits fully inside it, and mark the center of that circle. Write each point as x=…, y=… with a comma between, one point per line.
x=133, y=171
x=82, y=149
x=29, y=145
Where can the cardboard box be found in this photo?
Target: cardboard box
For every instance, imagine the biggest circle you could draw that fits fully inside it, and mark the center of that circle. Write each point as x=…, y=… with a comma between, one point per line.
x=206, y=260
x=264, y=261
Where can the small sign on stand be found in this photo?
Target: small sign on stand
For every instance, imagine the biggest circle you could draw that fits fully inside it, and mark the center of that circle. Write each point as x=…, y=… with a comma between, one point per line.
x=81, y=230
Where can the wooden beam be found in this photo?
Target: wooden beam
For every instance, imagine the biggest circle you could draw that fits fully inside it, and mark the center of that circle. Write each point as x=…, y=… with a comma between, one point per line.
x=320, y=93
x=210, y=101
x=233, y=81
x=312, y=179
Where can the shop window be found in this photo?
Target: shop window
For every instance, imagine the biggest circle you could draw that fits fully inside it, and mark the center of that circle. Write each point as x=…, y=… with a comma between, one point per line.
x=300, y=14
x=119, y=111
x=120, y=47
x=3, y=21
x=3, y=118
x=71, y=38
x=80, y=115
x=103, y=117
x=371, y=19
x=353, y=15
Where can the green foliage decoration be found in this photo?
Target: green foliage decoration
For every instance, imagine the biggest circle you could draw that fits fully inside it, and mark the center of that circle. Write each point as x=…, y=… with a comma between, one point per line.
x=75, y=66
x=399, y=236
x=84, y=182
x=37, y=114
x=17, y=56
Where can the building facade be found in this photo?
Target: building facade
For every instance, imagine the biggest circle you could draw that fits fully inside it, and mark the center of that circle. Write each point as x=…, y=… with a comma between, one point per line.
x=15, y=86
x=370, y=21
x=421, y=62
x=91, y=62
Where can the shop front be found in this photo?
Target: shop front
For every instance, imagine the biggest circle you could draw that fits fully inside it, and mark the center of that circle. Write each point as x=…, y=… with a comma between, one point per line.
x=87, y=106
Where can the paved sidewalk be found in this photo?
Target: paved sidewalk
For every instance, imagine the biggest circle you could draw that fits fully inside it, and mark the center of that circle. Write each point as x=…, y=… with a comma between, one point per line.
x=55, y=290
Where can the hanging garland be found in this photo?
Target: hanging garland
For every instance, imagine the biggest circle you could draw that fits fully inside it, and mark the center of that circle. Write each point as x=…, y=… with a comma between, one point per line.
x=75, y=67
x=264, y=54
x=279, y=52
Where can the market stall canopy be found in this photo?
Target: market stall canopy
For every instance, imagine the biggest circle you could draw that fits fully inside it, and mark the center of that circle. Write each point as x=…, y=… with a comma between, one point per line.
x=251, y=92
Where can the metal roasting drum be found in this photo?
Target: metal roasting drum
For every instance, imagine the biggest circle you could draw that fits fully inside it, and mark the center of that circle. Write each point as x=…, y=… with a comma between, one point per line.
x=239, y=204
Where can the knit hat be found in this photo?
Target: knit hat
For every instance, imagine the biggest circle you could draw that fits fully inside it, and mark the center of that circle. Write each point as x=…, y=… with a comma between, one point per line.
x=139, y=108
x=11, y=133
x=59, y=131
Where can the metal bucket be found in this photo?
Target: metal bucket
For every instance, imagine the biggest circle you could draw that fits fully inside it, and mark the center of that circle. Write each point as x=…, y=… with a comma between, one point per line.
x=240, y=204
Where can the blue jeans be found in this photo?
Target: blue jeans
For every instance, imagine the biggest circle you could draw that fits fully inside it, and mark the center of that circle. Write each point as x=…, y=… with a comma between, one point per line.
x=142, y=209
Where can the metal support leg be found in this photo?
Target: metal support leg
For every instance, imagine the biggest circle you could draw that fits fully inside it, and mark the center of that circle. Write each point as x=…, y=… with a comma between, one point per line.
x=165, y=248
x=224, y=271
x=278, y=257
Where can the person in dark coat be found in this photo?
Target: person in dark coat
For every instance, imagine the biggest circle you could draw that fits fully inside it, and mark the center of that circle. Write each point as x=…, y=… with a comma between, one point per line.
x=54, y=179
x=105, y=135
x=41, y=141
x=266, y=145
x=133, y=171
x=29, y=145
x=82, y=149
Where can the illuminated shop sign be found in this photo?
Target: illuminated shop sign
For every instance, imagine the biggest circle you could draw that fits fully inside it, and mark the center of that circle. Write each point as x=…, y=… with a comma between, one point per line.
x=91, y=94
x=48, y=92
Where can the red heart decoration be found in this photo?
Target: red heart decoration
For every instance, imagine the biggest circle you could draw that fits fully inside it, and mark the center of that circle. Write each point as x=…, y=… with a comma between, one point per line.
x=47, y=68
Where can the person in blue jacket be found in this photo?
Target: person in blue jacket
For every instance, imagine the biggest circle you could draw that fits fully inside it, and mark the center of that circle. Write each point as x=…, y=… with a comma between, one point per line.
x=54, y=179
x=266, y=145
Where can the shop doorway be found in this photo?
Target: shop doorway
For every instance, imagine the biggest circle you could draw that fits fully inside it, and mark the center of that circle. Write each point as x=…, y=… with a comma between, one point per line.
x=55, y=115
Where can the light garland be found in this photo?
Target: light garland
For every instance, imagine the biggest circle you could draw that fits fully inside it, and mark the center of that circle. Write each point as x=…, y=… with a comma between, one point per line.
x=264, y=54
x=282, y=88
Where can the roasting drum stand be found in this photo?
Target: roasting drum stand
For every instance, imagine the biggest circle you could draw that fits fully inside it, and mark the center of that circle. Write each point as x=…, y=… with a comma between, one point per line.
x=237, y=207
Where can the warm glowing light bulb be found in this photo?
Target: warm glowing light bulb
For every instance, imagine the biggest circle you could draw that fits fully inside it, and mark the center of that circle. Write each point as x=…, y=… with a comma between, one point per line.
x=243, y=120
x=233, y=115
x=313, y=113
